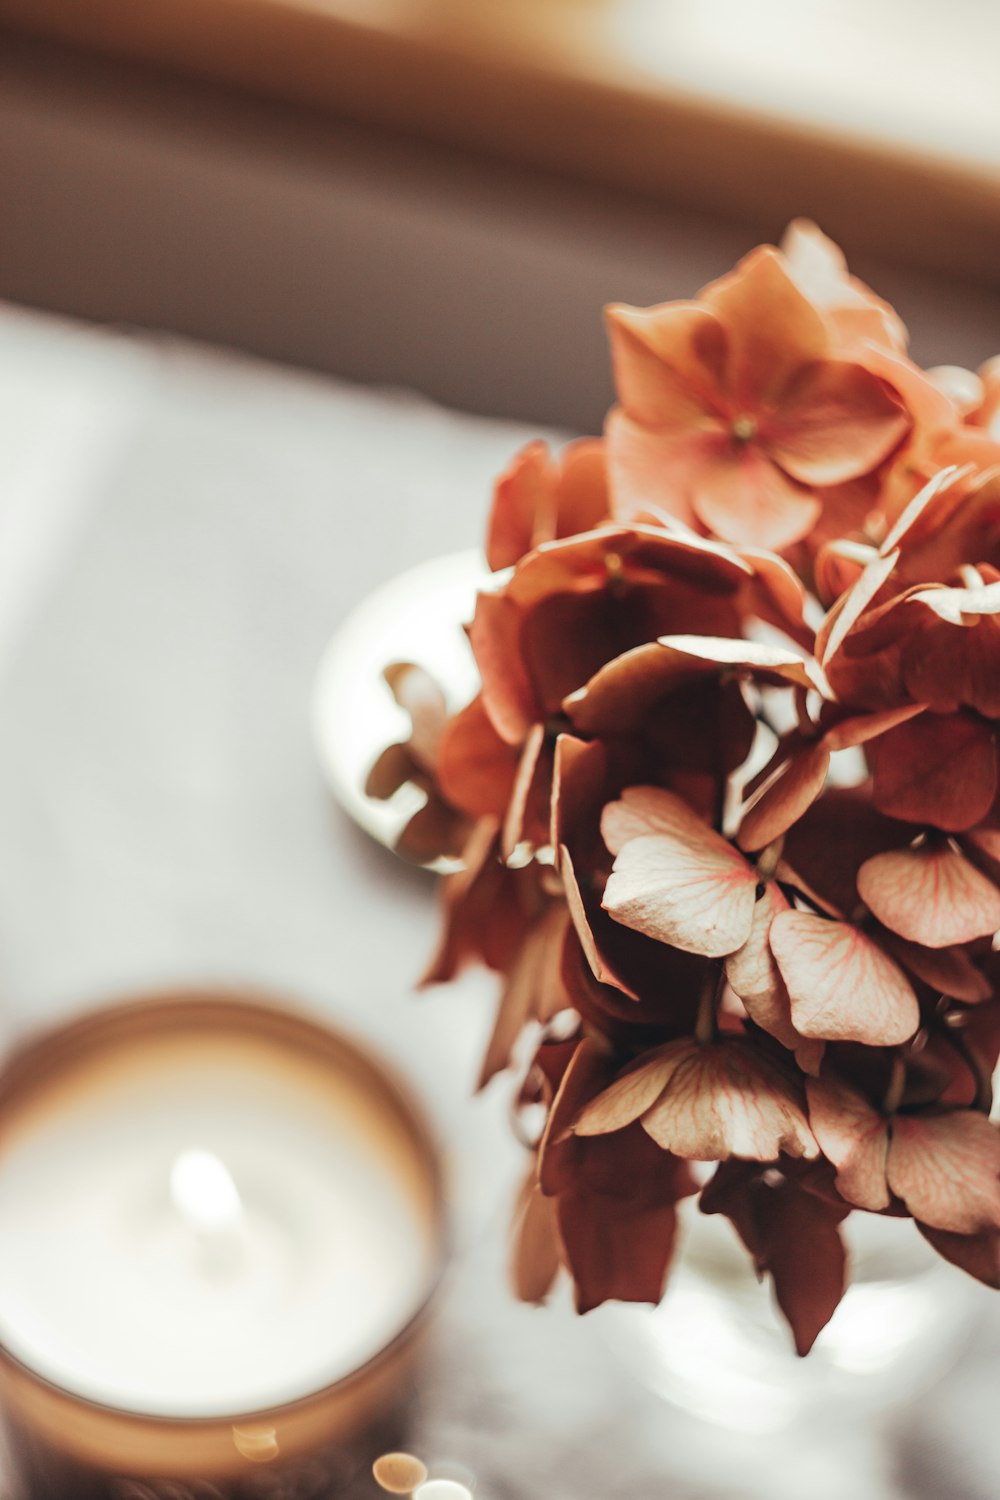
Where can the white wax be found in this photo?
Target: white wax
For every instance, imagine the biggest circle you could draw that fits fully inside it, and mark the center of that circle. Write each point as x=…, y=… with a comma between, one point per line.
x=106, y=1289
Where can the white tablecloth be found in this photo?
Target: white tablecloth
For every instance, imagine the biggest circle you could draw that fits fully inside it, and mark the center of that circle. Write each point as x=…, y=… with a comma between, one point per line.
x=180, y=532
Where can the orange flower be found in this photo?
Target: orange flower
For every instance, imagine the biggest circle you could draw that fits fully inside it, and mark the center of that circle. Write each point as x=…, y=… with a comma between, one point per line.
x=736, y=408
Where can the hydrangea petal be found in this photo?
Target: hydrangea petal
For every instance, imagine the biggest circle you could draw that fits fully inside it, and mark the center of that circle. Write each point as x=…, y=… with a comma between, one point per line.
x=726, y=1100
x=853, y=1137
x=744, y=498
x=674, y=878
x=836, y=423
x=843, y=987
x=946, y=1169
x=756, y=979
x=938, y=770
x=784, y=796
x=932, y=895
x=633, y=1092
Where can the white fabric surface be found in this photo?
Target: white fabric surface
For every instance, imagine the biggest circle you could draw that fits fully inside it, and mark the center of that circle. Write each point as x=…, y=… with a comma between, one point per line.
x=179, y=534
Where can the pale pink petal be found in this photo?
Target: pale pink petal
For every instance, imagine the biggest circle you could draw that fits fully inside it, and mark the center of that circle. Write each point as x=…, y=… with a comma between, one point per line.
x=674, y=878
x=842, y=986
x=655, y=470
x=819, y=270
x=932, y=895
x=756, y=979
x=768, y=662
x=644, y=810
x=959, y=606
x=853, y=1137
x=633, y=1093
x=723, y=1101
x=946, y=1169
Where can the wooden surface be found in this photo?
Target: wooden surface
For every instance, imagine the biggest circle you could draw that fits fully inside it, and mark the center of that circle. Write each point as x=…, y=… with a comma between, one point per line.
x=881, y=122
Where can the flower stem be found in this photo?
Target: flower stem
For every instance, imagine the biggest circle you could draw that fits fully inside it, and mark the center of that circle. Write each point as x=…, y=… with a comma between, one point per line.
x=708, y=1005
x=897, y=1082
x=981, y=1074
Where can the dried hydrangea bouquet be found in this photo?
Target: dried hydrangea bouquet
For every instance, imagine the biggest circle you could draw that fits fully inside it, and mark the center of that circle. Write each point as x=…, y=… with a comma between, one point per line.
x=729, y=793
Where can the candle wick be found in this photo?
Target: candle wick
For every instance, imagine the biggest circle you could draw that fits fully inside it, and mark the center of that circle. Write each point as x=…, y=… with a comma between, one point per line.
x=205, y=1196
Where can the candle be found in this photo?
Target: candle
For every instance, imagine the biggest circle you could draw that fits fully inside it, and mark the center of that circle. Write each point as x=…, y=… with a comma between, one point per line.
x=219, y=1223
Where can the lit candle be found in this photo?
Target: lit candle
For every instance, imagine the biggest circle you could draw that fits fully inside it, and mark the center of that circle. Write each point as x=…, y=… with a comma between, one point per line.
x=218, y=1225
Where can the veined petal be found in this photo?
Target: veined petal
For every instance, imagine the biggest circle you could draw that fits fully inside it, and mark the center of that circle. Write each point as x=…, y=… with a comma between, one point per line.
x=842, y=986
x=643, y=810
x=932, y=895
x=722, y=1101
x=853, y=1137
x=756, y=979
x=946, y=1169
x=674, y=878
x=633, y=1092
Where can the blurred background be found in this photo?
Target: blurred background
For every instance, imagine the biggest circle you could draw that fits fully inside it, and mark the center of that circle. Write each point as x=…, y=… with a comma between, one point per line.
x=443, y=193
x=283, y=284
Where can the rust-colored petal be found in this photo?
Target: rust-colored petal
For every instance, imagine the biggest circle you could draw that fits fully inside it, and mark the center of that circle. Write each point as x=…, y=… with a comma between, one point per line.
x=836, y=422
x=937, y=770
x=540, y=498
x=950, y=668
x=950, y=971
x=528, y=815
x=946, y=1168
x=534, y=990
x=853, y=1137
x=523, y=507
x=782, y=799
x=773, y=329
x=667, y=362
x=843, y=987
x=743, y=497
x=932, y=895
x=792, y=1234
x=616, y=1249
x=537, y=1246
x=507, y=693
x=978, y=1254
x=475, y=766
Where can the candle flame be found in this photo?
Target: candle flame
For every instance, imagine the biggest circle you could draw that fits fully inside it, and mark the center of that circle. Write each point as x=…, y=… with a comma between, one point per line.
x=204, y=1193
